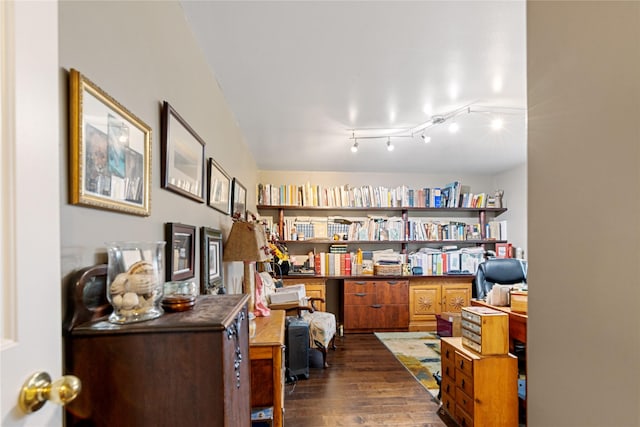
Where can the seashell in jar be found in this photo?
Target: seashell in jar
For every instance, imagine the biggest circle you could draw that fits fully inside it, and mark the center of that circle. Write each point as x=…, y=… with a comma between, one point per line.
x=129, y=300
x=142, y=267
x=119, y=284
x=117, y=301
x=142, y=283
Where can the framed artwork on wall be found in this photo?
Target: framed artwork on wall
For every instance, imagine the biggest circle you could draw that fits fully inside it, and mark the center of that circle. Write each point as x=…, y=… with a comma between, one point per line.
x=218, y=188
x=182, y=159
x=181, y=247
x=109, y=153
x=239, y=200
x=211, y=261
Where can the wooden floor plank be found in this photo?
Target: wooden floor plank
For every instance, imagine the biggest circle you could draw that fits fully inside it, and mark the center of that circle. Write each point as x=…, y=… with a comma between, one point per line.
x=364, y=386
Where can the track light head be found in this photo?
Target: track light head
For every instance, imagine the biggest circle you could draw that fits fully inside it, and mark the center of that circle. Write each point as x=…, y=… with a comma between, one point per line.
x=389, y=145
x=425, y=138
x=354, y=147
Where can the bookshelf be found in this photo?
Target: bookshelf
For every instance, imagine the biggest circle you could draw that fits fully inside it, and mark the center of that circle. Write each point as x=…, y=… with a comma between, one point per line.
x=286, y=217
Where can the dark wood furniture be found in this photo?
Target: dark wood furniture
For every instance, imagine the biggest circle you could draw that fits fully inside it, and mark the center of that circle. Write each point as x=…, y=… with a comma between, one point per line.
x=267, y=364
x=376, y=305
x=184, y=368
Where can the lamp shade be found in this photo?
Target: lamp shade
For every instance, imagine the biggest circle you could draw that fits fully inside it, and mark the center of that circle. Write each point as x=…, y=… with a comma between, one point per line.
x=246, y=242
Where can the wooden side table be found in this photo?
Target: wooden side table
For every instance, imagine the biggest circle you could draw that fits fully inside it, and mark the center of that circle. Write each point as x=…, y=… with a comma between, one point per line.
x=266, y=352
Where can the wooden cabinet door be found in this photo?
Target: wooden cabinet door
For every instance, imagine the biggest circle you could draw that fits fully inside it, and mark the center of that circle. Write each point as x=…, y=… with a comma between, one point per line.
x=454, y=297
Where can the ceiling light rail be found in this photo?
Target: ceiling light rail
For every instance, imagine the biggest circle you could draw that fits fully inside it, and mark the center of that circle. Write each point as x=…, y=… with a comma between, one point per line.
x=496, y=112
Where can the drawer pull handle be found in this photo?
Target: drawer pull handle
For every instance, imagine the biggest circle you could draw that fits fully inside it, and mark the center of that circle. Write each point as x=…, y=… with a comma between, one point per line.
x=447, y=353
x=448, y=388
x=392, y=282
x=376, y=305
x=446, y=370
x=360, y=283
x=462, y=364
x=361, y=294
x=462, y=383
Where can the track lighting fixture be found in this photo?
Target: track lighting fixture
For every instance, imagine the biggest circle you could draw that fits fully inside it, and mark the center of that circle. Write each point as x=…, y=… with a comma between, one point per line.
x=497, y=123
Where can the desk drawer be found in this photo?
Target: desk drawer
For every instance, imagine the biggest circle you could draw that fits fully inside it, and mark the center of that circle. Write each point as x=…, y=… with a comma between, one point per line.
x=464, y=383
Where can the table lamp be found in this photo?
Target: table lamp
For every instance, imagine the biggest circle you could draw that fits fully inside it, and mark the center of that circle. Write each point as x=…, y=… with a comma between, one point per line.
x=246, y=243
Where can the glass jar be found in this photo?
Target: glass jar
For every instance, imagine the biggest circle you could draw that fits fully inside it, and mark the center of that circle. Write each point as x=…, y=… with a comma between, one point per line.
x=135, y=280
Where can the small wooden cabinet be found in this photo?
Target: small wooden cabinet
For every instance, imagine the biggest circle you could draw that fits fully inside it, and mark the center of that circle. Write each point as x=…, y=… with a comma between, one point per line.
x=478, y=390
x=376, y=305
x=182, y=369
x=314, y=287
x=267, y=364
x=431, y=295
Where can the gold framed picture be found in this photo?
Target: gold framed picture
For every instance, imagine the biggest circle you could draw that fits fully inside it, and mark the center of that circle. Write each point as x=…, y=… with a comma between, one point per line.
x=109, y=153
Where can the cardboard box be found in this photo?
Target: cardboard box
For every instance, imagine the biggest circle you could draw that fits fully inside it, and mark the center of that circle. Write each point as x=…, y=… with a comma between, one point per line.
x=519, y=301
x=448, y=324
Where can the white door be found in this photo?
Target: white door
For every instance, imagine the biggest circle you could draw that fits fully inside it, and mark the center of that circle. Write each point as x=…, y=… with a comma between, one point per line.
x=30, y=179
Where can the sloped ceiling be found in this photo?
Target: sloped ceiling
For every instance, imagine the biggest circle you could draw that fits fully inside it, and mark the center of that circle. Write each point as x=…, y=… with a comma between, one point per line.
x=303, y=78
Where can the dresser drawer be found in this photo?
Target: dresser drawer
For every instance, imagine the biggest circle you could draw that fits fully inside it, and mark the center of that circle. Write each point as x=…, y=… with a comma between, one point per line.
x=463, y=418
x=448, y=403
x=464, y=400
x=448, y=387
x=464, y=364
x=464, y=382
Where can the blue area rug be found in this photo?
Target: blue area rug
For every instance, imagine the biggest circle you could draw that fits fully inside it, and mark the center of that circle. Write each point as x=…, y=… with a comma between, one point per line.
x=419, y=353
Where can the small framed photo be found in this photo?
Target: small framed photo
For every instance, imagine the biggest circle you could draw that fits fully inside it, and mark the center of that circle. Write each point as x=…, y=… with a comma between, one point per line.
x=182, y=156
x=181, y=247
x=109, y=153
x=211, y=261
x=239, y=200
x=218, y=188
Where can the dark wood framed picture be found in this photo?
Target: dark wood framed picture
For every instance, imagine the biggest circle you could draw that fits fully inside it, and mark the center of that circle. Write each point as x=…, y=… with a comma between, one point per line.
x=239, y=200
x=218, y=188
x=211, y=261
x=109, y=152
x=181, y=247
x=182, y=156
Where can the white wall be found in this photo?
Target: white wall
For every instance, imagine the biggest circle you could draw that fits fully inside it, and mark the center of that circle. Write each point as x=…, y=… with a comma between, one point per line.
x=584, y=204
x=514, y=184
x=142, y=53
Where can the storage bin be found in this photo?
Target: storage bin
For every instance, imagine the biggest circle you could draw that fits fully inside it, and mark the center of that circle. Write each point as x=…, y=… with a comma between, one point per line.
x=448, y=324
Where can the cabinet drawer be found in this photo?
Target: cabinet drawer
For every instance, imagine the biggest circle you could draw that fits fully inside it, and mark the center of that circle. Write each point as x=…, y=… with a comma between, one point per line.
x=448, y=353
x=359, y=286
x=448, y=387
x=463, y=418
x=464, y=383
x=449, y=403
x=465, y=401
x=360, y=298
x=464, y=364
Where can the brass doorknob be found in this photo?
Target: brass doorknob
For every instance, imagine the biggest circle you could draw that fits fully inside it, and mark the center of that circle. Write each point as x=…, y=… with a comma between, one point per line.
x=39, y=388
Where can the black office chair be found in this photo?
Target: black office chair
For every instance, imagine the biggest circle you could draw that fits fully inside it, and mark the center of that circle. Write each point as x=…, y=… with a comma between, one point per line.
x=505, y=271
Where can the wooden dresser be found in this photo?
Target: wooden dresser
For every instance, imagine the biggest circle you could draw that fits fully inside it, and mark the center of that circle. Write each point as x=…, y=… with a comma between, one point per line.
x=376, y=305
x=478, y=390
x=267, y=364
x=182, y=369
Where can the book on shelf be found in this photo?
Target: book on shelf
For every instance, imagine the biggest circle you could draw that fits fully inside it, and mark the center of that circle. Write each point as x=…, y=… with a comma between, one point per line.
x=451, y=195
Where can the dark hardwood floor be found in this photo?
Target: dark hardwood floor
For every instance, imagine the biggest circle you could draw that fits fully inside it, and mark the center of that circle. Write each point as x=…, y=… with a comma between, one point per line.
x=364, y=386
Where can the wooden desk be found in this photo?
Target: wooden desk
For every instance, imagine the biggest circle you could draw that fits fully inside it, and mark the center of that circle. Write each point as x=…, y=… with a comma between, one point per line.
x=517, y=323
x=266, y=352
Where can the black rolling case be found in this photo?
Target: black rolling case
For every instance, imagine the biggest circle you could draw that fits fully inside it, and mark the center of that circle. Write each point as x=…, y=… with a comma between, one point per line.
x=296, y=348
